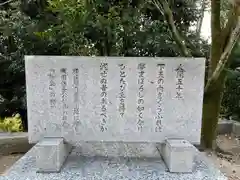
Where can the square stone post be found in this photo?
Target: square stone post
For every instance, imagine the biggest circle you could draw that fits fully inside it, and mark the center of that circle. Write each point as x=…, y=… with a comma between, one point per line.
x=178, y=155
x=51, y=154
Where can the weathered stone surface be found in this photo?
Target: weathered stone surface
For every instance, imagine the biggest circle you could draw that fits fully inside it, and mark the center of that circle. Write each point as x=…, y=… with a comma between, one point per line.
x=110, y=149
x=51, y=154
x=98, y=168
x=114, y=98
x=178, y=155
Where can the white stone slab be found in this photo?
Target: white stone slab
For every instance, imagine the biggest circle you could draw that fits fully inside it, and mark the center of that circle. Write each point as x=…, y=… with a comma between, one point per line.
x=68, y=102
x=99, y=168
x=51, y=154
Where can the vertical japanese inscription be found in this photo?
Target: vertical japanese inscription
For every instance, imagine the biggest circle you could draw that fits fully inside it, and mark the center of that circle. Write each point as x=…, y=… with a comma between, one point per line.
x=76, y=110
x=140, y=95
x=179, y=84
x=122, y=93
x=103, y=96
x=52, y=88
x=159, y=97
x=64, y=96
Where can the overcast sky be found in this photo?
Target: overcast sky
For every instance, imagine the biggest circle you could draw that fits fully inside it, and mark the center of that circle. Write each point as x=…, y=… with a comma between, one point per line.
x=206, y=26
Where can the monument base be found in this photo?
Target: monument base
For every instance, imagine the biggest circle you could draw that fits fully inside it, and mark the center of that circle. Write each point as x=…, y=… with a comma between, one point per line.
x=78, y=166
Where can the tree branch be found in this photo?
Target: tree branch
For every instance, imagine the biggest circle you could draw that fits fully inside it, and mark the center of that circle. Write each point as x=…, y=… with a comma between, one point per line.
x=6, y=2
x=215, y=16
x=200, y=21
x=176, y=35
x=158, y=6
x=215, y=36
x=224, y=57
x=231, y=23
x=5, y=57
x=192, y=47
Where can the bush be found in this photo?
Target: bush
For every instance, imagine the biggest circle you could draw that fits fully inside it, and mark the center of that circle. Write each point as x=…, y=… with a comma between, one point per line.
x=230, y=108
x=11, y=124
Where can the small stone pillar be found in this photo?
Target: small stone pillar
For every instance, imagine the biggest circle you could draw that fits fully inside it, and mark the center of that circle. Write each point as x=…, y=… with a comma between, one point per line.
x=51, y=154
x=178, y=155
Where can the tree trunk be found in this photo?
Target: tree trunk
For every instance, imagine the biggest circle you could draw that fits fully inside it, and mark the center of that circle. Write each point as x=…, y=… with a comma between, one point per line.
x=212, y=97
x=220, y=51
x=223, y=41
x=211, y=109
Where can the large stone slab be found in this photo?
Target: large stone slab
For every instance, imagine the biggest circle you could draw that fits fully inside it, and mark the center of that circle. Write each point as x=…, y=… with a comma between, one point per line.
x=114, y=168
x=114, y=98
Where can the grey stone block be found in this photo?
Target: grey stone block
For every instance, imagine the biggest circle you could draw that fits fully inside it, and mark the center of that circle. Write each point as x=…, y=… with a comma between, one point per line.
x=225, y=126
x=178, y=155
x=236, y=129
x=51, y=154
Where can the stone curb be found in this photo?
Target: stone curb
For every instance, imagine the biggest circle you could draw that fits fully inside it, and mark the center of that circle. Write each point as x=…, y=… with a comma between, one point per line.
x=225, y=126
x=236, y=129
x=14, y=143
x=7, y=135
x=228, y=127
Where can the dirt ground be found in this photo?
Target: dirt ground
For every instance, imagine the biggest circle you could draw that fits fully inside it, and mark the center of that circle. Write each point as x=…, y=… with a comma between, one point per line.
x=227, y=159
x=7, y=161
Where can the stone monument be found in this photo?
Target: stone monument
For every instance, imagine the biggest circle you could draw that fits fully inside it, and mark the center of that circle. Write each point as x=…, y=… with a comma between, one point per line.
x=114, y=118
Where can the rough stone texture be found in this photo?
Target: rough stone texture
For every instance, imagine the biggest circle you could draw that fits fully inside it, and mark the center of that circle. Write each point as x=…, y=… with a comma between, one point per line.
x=236, y=129
x=51, y=154
x=115, y=168
x=178, y=155
x=108, y=149
x=76, y=113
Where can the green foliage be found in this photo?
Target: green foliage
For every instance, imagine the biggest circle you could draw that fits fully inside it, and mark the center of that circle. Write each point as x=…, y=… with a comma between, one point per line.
x=17, y=39
x=231, y=98
x=11, y=124
x=120, y=28
x=84, y=28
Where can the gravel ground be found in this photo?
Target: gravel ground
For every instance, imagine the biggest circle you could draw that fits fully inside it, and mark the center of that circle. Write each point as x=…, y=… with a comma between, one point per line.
x=228, y=160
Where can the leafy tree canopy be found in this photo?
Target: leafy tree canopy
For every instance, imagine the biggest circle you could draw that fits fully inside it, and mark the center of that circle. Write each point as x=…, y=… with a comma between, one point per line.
x=85, y=27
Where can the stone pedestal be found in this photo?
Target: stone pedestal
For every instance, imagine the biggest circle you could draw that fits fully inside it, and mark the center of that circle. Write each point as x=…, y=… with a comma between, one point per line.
x=78, y=166
x=51, y=154
x=178, y=155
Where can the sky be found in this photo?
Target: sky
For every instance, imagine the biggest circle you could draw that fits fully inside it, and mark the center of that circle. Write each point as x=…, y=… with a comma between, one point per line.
x=206, y=26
